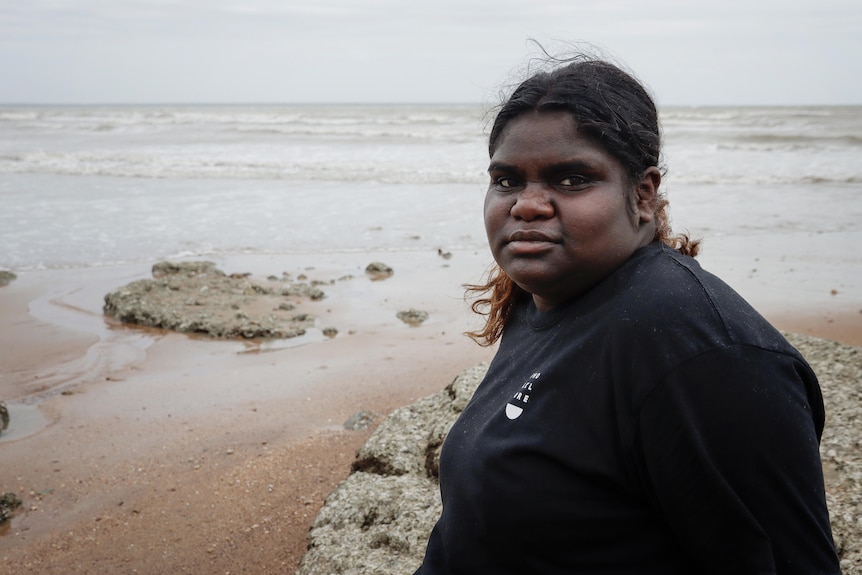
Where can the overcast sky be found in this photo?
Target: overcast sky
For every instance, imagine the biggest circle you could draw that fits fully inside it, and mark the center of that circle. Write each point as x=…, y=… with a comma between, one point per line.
x=690, y=52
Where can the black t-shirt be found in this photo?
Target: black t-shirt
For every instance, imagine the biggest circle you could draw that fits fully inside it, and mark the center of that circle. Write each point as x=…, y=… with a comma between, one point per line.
x=656, y=424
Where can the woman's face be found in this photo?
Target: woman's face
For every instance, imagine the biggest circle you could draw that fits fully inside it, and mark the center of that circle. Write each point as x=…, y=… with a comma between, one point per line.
x=561, y=213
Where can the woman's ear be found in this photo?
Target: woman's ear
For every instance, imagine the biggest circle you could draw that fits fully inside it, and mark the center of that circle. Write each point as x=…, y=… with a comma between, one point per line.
x=647, y=194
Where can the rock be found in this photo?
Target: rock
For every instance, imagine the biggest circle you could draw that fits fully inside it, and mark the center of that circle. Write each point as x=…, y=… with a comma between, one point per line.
x=378, y=520
x=197, y=297
x=412, y=317
x=360, y=420
x=4, y=417
x=162, y=269
x=839, y=369
x=6, y=278
x=303, y=290
x=9, y=502
x=372, y=525
x=330, y=332
x=378, y=271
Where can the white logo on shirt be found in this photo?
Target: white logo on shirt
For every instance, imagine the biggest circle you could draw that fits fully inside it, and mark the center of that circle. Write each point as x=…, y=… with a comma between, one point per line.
x=519, y=401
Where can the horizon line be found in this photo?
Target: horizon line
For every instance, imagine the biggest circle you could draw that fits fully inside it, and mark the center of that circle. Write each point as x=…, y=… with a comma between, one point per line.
x=392, y=103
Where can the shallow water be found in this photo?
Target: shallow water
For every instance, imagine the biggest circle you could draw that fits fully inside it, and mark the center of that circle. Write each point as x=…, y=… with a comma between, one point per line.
x=24, y=420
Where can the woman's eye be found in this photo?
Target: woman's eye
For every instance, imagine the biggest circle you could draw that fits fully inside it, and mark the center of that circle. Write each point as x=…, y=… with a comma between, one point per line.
x=574, y=181
x=505, y=183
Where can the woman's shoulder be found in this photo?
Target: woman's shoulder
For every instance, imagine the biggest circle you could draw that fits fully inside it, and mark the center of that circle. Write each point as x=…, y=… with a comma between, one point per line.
x=670, y=294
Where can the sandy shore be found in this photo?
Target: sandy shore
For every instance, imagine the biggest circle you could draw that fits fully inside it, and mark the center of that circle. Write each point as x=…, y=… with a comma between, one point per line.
x=139, y=451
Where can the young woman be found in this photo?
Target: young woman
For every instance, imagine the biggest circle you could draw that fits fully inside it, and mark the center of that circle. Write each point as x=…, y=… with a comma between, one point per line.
x=639, y=416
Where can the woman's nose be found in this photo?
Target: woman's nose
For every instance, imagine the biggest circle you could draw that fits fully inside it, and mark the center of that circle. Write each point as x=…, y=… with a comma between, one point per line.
x=533, y=202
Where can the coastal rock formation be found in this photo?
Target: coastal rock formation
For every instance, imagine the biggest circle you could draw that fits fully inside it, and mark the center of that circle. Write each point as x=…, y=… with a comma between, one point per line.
x=378, y=520
x=197, y=297
x=839, y=369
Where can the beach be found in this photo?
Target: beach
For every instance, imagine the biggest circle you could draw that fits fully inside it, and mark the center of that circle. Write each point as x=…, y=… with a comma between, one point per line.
x=140, y=450
x=146, y=451
x=165, y=453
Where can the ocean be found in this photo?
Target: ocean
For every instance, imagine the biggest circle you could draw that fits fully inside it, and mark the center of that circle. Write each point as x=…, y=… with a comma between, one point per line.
x=85, y=186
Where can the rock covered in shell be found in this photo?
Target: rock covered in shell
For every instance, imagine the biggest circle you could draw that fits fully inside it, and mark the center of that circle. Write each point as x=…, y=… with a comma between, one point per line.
x=839, y=369
x=196, y=297
x=377, y=521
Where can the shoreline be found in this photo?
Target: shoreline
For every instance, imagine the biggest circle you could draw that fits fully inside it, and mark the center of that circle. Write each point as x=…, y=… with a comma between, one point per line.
x=165, y=452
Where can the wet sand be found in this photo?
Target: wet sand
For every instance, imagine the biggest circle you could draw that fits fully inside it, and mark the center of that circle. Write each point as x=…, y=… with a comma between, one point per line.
x=155, y=452
x=140, y=451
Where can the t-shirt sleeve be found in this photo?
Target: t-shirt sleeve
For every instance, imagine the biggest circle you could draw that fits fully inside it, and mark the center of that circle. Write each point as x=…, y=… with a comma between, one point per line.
x=728, y=449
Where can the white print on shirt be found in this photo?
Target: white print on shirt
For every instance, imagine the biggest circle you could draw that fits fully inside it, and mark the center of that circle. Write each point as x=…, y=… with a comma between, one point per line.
x=521, y=399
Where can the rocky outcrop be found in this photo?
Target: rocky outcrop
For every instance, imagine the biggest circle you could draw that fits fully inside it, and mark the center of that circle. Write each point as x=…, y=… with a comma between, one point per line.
x=197, y=297
x=6, y=277
x=378, y=520
x=4, y=417
x=839, y=369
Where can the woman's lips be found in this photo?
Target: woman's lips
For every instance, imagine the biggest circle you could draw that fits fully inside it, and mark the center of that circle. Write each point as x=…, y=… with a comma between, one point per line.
x=531, y=236
x=530, y=241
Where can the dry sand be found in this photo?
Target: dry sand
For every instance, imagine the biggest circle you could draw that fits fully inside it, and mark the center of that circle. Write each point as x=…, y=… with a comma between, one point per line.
x=140, y=451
